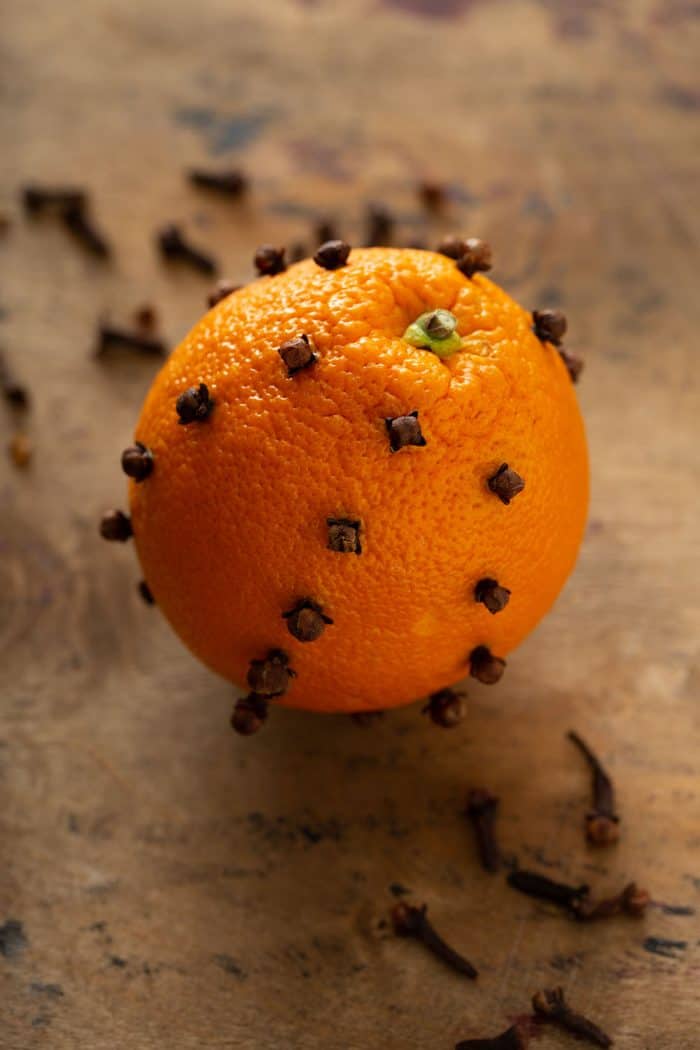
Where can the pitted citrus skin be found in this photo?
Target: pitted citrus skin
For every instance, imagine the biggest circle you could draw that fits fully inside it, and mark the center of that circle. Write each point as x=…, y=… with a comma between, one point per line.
x=230, y=526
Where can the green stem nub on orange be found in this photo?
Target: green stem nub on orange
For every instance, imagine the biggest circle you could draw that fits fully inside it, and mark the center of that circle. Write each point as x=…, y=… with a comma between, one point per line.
x=435, y=331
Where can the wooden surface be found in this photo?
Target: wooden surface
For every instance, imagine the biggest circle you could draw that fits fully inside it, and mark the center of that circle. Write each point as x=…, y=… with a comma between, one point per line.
x=181, y=887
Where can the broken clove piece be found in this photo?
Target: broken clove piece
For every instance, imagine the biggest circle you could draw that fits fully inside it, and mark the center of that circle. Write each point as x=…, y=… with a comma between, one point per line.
x=481, y=809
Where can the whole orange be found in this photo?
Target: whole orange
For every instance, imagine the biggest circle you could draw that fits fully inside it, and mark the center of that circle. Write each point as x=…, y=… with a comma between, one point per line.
x=295, y=537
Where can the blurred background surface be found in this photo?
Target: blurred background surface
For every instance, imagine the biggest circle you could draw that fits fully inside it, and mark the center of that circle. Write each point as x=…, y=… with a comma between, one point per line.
x=178, y=886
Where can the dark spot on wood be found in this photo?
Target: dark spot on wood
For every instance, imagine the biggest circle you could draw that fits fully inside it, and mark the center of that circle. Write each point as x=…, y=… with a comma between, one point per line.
x=220, y=131
x=432, y=8
x=53, y=990
x=664, y=947
x=315, y=833
x=397, y=889
x=229, y=965
x=677, y=96
x=12, y=938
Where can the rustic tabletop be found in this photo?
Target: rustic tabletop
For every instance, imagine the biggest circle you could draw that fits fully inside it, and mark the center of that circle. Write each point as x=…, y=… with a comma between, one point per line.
x=167, y=884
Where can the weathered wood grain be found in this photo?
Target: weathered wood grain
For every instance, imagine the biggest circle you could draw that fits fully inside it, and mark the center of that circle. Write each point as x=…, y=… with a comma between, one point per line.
x=181, y=887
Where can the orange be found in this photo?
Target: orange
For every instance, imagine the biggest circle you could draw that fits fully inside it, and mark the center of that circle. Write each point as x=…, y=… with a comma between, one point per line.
x=232, y=523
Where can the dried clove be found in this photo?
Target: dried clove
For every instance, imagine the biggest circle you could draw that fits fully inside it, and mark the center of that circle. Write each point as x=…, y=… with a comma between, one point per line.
x=632, y=900
x=453, y=246
x=539, y=886
x=20, y=450
x=270, y=676
x=38, y=198
x=298, y=354
x=344, y=535
x=432, y=195
x=573, y=362
x=476, y=258
x=481, y=809
x=505, y=483
x=145, y=592
x=109, y=336
x=249, y=714
x=77, y=220
x=222, y=290
x=332, y=255
x=602, y=823
x=306, y=621
x=194, y=405
x=230, y=183
x=490, y=593
x=14, y=392
x=173, y=246
x=380, y=225
x=484, y=666
x=410, y=921
x=551, y=1005
x=549, y=325
x=404, y=431
x=116, y=525
x=137, y=461
x=445, y=708
x=512, y=1039
x=269, y=260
